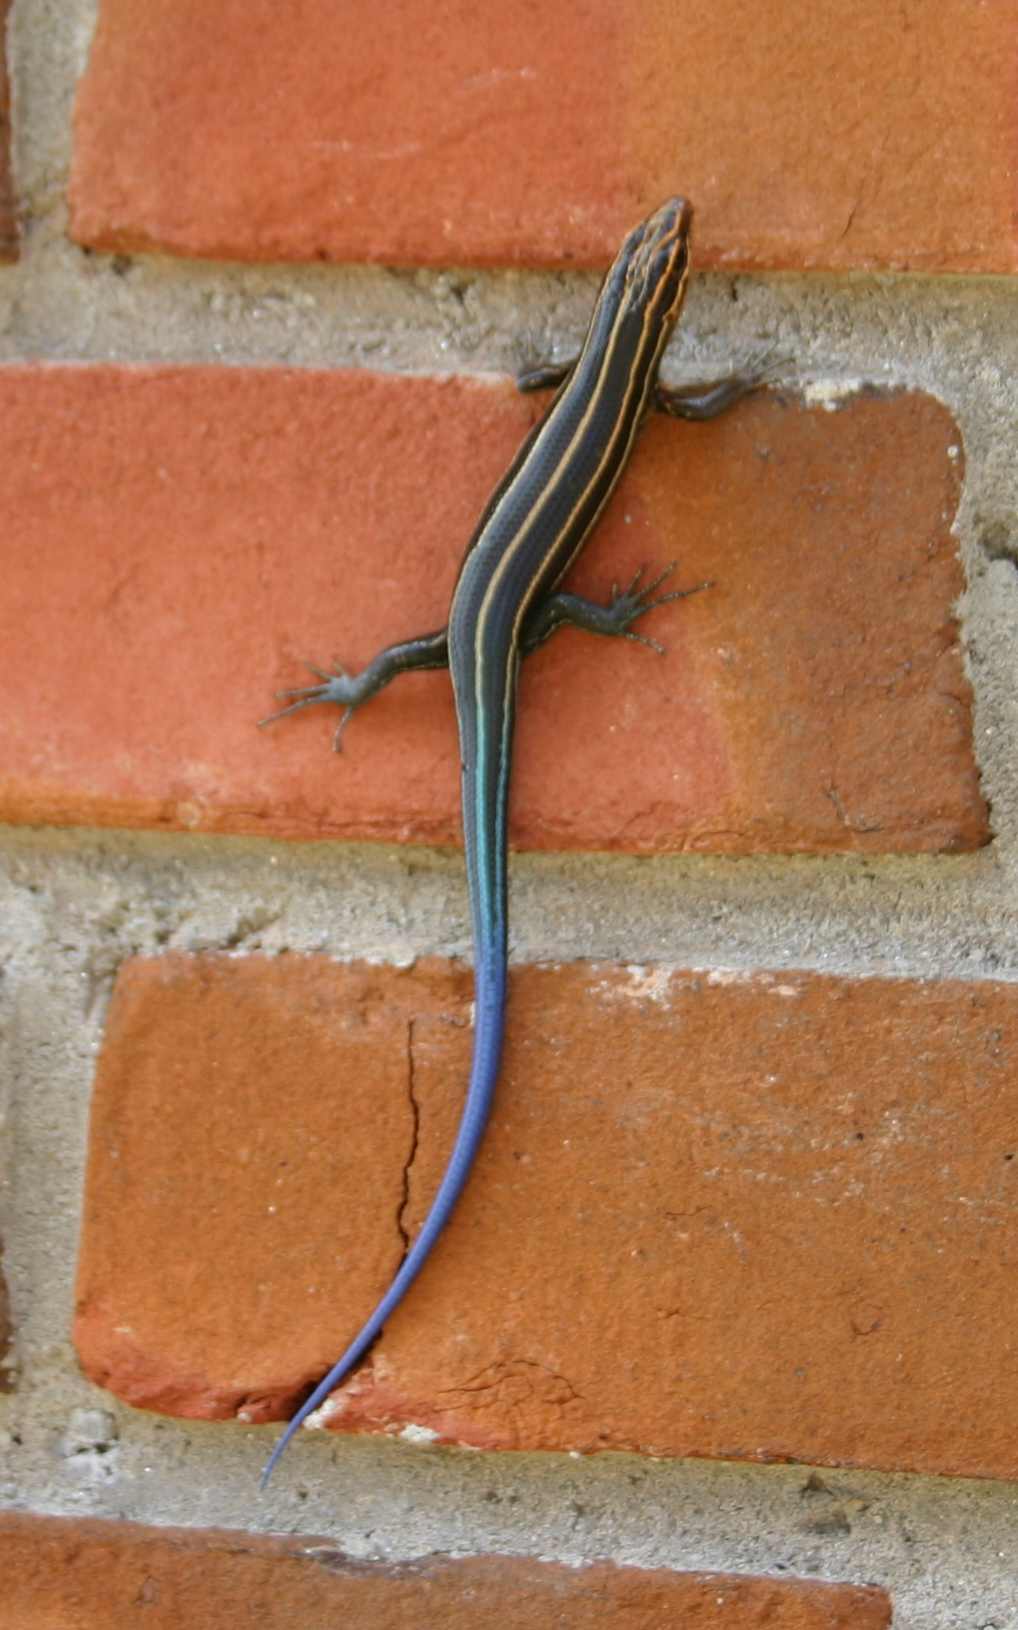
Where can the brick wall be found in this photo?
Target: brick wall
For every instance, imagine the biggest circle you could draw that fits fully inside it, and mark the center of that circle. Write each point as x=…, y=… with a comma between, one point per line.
x=725, y=1312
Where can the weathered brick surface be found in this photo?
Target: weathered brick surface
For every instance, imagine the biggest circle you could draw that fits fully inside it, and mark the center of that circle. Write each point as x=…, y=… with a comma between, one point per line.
x=177, y=540
x=747, y=1217
x=8, y=220
x=73, y=1574
x=848, y=133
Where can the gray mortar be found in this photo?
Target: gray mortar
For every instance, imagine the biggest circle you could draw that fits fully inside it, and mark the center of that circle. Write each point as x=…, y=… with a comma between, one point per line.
x=75, y=904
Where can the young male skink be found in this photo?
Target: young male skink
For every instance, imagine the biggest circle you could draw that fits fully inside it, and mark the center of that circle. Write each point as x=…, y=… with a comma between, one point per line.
x=505, y=603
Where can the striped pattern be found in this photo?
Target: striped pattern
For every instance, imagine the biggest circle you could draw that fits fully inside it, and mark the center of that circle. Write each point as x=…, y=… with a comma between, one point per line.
x=537, y=520
x=532, y=527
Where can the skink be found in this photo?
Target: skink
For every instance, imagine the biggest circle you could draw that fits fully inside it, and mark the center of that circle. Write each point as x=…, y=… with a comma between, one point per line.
x=505, y=603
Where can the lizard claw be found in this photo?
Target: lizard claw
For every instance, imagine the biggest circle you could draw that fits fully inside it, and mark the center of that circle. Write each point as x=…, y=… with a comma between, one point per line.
x=307, y=695
x=633, y=602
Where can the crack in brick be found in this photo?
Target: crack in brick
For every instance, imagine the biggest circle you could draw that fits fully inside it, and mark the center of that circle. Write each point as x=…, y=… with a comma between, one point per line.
x=415, y=1112
x=364, y=1364
x=495, y=1383
x=856, y=824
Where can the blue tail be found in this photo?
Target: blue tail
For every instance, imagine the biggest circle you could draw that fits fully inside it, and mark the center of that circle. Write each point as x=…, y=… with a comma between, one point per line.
x=489, y=1028
x=486, y=756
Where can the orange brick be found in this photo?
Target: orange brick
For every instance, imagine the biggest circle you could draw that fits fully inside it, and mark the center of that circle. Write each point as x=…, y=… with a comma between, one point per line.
x=8, y=218
x=81, y=1574
x=809, y=133
x=752, y=1218
x=178, y=540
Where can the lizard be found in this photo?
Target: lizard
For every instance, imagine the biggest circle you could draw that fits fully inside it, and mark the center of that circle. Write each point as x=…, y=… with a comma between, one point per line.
x=506, y=602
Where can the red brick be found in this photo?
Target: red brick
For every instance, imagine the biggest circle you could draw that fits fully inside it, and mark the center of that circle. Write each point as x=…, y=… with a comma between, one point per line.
x=751, y=1218
x=81, y=1574
x=809, y=133
x=178, y=540
x=8, y=218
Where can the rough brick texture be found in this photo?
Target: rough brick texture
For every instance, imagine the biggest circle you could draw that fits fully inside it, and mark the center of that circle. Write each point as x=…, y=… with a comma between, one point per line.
x=178, y=540
x=6, y=1332
x=63, y=1574
x=747, y=1217
x=8, y=220
x=809, y=133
